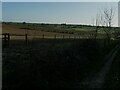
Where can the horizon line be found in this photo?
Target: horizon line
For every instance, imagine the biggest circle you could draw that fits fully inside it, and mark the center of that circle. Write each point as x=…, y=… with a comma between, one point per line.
x=50, y=23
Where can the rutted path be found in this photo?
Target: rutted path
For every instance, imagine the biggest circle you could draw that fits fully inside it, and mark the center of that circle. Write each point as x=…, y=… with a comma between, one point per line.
x=97, y=80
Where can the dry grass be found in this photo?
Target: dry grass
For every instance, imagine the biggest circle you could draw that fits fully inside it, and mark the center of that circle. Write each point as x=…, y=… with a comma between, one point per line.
x=15, y=30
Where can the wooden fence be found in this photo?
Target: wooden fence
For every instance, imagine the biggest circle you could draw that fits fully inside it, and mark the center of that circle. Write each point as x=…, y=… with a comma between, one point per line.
x=6, y=37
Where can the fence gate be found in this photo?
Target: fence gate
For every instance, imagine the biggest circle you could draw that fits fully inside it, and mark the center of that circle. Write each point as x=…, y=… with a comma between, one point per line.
x=6, y=39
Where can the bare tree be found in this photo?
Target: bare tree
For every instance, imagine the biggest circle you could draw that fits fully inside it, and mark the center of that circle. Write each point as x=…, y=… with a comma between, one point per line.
x=106, y=19
x=108, y=16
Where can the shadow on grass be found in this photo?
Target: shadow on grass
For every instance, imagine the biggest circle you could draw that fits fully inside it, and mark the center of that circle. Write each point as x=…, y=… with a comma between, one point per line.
x=50, y=63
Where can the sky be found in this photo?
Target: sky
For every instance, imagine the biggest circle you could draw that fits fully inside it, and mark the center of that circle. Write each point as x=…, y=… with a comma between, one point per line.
x=55, y=12
x=119, y=14
x=60, y=0
x=0, y=11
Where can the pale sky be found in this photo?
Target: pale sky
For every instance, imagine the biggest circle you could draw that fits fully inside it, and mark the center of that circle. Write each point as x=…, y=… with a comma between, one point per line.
x=60, y=0
x=55, y=12
x=0, y=11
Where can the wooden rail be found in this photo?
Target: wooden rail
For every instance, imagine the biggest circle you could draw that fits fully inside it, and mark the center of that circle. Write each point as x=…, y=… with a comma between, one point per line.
x=6, y=37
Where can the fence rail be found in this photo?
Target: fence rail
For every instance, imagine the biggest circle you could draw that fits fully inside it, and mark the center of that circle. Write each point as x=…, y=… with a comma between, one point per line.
x=6, y=37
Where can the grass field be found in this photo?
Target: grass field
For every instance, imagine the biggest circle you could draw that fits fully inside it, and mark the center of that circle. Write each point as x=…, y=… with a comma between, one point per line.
x=51, y=63
x=37, y=31
x=34, y=30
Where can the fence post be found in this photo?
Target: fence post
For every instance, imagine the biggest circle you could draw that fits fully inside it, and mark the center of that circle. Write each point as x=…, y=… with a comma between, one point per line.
x=5, y=38
x=8, y=39
x=26, y=38
x=43, y=36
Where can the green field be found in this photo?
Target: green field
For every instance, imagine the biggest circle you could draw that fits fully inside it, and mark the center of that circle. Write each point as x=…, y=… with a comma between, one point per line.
x=35, y=30
x=53, y=63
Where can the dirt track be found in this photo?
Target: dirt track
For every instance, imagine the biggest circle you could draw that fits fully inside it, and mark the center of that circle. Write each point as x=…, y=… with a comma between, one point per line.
x=96, y=80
